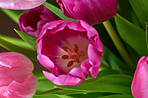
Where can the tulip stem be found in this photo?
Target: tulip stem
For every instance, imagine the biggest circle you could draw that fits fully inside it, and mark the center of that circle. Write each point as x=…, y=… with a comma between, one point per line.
x=118, y=43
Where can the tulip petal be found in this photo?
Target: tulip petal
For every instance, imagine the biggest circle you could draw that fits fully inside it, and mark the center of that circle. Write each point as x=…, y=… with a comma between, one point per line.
x=63, y=79
x=85, y=66
x=94, y=60
x=16, y=78
x=7, y=75
x=139, y=85
x=25, y=89
x=13, y=59
x=91, y=11
x=74, y=72
x=93, y=36
x=46, y=62
x=20, y=4
x=33, y=25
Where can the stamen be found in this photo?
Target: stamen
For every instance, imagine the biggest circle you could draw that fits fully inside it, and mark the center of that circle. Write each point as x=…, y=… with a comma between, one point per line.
x=66, y=49
x=76, y=48
x=74, y=55
x=65, y=57
x=70, y=63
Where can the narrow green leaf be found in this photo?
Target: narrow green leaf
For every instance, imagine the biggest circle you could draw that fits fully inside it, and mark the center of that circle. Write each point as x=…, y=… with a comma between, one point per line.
x=132, y=35
x=125, y=10
x=57, y=11
x=46, y=87
x=116, y=83
x=46, y=96
x=31, y=40
x=13, y=14
x=30, y=53
x=113, y=62
x=16, y=41
x=92, y=95
x=117, y=96
x=140, y=7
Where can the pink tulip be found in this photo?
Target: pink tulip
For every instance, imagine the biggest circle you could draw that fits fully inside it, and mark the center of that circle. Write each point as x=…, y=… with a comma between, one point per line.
x=16, y=78
x=32, y=21
x=139, y=85
x=91, y=11
x=20, y=4
x=70, y=51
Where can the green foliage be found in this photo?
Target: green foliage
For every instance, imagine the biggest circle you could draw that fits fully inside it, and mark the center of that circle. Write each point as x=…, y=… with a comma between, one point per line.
x=57, y=11
x=104, y=86
x=140, y=7
x=31, y=40
x=113, y=62
x=17, y=45
x=133, y=35
x=126, y=11
x=116, y=83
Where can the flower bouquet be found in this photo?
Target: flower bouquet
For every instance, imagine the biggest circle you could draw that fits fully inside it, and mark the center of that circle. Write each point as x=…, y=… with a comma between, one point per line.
x=89, y=48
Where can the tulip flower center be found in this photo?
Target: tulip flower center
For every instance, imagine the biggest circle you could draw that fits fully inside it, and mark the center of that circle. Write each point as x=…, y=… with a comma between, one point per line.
x=73, y=55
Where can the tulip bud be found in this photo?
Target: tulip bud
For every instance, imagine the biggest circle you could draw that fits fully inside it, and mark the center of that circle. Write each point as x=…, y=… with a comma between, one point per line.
x=139, y=85
x=91, y=11
x=16, y=78
x=32, y=21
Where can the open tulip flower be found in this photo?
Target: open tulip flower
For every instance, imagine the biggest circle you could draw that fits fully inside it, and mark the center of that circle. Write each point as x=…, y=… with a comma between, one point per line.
x=91, y=11
x=20, y=4
x=16, y=78
x=70, y=51
x=139, y=85
x=32, y=21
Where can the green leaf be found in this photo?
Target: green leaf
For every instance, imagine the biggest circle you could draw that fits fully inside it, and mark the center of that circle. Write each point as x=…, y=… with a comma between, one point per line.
x=16, y=41
x=113, y=62
x=44, y=85
x=117, y=96
x=11, y=45
x=31, y=40
x=116, y=83
x=140, y=7
x=101, y=95
x=13, y=14
x=132, y=35
x=57, y=11
x=125, y=10
x=51, y=96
